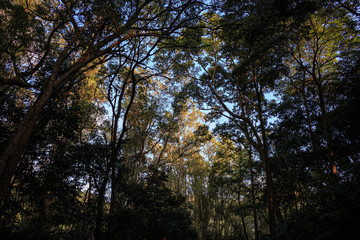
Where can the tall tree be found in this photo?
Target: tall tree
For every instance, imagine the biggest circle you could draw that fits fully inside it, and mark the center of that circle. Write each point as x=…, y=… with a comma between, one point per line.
x=77, y=37
x=313, y=71
x=238, y=79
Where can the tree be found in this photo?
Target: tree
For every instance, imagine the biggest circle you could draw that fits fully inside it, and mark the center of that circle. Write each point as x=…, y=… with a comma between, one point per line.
x=77, y=37
x=179, y=119
x=313, y=72
x=236, y=87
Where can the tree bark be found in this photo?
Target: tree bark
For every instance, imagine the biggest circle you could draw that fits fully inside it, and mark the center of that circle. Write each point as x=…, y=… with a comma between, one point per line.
x=100, y=205
x=16, y=147
x=242, y=217
x=253, y=194
x=274, y=209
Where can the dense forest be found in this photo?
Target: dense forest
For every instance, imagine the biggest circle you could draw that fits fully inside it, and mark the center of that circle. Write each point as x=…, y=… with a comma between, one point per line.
x=180, y=119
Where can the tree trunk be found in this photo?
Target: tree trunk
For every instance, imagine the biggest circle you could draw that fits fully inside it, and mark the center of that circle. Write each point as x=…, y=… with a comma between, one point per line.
x=253, y=194
x=11, y=156
x=307, y=112
x=100, y=205
x=242, y=217
x=14, y=150
x=325, y=125
x=274, y=209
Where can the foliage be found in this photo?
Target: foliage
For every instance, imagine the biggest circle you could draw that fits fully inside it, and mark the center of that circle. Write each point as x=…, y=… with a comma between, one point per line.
x=179, y=119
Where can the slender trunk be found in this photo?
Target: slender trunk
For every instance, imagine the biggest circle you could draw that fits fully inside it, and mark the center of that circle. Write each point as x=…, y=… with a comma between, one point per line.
x=114, y=142
x=269, y=188
x=116, y=176
x=307, y=112
x=329, y=147
x=253, y=194
x=317, y=78
x=242, y=217
x=113, y=186
x=100, y=205
x=274, y=209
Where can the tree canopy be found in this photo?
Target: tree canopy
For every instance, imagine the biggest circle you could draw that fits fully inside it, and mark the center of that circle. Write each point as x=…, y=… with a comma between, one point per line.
x=148, y=119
